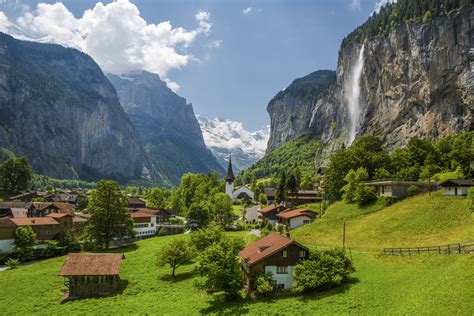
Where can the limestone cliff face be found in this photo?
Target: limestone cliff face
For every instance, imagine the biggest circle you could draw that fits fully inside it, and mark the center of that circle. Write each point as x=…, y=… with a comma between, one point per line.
x=291, y=110
x=58, y=109
x=167, y=124
x=417, y=80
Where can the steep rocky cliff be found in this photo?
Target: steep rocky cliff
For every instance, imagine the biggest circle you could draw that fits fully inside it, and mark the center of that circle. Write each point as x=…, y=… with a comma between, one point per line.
x=415, y=80
x=167, y=125
x=58, y=109
x=291, y=109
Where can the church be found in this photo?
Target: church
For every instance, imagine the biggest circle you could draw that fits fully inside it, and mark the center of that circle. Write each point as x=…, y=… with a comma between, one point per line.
x=230, y=190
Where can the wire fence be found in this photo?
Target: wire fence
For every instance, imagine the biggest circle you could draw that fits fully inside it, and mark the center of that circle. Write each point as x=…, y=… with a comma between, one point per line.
x=459, y=248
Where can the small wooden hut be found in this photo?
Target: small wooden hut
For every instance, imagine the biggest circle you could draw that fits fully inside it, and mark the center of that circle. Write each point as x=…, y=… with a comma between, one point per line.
x=91, y=274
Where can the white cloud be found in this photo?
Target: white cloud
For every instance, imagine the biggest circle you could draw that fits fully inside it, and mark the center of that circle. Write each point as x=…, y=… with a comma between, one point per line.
x=231, y=135
x=355, y=4
x=114, y=34
x=247, y=11
x=380, y=3
x=4, y=22
x=215, y=44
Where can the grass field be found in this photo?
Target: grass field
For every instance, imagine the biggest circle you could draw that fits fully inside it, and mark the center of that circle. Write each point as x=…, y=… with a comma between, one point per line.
x=422, y=220
x=420, y=284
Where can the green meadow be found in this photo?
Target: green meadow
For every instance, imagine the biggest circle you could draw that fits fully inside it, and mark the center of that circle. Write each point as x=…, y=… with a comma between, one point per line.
x=418, y=284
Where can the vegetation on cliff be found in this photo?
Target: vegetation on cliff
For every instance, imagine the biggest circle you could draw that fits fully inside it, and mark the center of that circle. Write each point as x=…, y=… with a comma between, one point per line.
x=401, y=12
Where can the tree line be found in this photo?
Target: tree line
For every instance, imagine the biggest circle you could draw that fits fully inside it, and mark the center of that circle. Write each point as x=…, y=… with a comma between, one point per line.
x=402, y=12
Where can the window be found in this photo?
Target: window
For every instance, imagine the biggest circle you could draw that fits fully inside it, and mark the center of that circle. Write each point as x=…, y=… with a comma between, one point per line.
x=282, y=270
x=284, y=253
x=305, y=221
x=302, y=253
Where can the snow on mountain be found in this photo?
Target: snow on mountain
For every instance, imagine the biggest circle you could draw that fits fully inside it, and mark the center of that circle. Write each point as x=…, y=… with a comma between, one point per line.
x=225, y=137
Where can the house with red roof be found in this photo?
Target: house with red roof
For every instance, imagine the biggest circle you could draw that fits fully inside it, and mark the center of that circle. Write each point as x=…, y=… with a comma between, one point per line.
x=295, y=218
x=269, y=213
x=275, y=254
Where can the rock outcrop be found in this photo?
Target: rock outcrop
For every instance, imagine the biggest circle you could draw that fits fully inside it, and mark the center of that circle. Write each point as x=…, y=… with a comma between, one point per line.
x=58, y=109
x=167, y=124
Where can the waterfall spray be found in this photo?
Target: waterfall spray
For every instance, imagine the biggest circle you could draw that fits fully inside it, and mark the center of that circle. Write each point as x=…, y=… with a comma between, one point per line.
x=353, y=94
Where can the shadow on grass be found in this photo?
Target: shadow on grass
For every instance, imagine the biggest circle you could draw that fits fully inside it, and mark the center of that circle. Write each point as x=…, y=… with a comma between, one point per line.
x=179, y=277
x=219, y=305
x=123, y=285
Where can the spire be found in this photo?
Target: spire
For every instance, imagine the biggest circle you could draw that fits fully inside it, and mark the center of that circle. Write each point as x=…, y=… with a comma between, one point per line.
x=230, y=174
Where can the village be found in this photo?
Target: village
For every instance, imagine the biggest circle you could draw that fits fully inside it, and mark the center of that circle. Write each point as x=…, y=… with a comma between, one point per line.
x=273, y=256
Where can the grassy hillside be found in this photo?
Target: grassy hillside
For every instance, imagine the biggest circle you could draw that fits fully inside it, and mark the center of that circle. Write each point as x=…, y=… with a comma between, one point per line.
x=418, y=284
x=421, y=220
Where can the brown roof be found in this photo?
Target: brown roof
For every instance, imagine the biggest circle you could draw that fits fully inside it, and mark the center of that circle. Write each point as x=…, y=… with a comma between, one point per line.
x=19, y=212
x=63, y=207
x=140, y=215
x=9, y=205
x=58, y=215
x=92, y=264
x=34, y=221
x=152, y=211
x=270, y=208
x=269, y=192
x=295, y=213
x=6, y=222
x=264, y=248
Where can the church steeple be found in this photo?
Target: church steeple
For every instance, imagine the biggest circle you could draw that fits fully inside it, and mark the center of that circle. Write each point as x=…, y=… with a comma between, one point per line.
x=230, y=178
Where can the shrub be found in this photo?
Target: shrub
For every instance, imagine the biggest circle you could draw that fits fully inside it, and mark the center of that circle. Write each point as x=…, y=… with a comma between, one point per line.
x=161, y=232
x=323, y=270
x=470, y=194
x=263, y=284
x=176, y=220
x=388, y=200
x=25, y=239
x=12, y=263
x=365, y=195
x=413, y=190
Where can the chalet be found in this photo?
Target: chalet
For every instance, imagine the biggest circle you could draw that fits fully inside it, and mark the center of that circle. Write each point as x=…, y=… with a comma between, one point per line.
x=269, y=213
x=6, y=208
x=135, y=203
x=7, y=235
x=457, y=187
x=45, y=228
x=158, y=219
x=304, y=196
x=162, y=216
x=65, y=220
x=240, y=193
x=399, y=188
x=89, y=275
x=295, y=218
x=273, y=254
x=41, y=209
x=27, y=196
x=270, y=194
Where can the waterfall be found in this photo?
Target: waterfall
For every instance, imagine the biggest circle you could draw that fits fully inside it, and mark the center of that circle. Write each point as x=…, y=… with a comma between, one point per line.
x=353, y=94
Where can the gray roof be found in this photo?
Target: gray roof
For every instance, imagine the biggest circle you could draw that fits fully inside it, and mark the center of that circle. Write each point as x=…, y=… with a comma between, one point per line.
x=457, y=183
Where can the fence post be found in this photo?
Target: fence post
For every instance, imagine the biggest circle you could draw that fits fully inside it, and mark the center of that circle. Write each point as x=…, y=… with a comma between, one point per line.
x=459, y=245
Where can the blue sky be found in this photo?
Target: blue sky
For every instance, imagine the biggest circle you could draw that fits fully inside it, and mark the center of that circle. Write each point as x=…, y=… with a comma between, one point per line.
x=260, y=51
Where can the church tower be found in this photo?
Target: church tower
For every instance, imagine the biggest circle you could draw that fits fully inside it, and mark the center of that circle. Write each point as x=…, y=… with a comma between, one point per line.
x=229, y=179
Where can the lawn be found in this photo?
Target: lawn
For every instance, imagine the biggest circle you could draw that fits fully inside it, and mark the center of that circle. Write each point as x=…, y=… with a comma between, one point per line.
x=418, y=284
x=422, y=220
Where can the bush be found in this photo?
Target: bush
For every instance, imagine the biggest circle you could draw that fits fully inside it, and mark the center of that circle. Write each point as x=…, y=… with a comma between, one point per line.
x=161, y=232
x=388, y=200
x=323, y=270
x=470, y=195
x=413, y=190
x=176, y=220
x=365, y=195
x=263, y=284
x=12, y=263
x=25, y=239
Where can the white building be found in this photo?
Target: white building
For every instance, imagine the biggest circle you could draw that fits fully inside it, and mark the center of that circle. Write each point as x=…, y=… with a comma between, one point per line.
x=230, y=190
x=457, y=187
x=295, y=218
x=144, y=224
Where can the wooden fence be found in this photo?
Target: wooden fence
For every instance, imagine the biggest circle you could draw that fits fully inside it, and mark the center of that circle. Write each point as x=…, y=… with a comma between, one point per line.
x=459, y=248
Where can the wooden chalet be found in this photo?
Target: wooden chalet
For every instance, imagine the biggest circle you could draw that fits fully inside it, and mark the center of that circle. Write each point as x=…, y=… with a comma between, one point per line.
x=92, y=274
x=275, y=254
x=269, y=213
x=295, y=218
